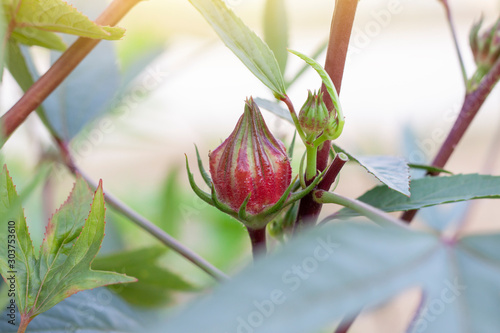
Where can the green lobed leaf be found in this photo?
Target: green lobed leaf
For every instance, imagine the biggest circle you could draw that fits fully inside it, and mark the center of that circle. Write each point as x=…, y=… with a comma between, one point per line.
x=58, y=16
x=335, y=270
x=393, y=171
x=70, y=245
x=155, y=283
x=244, y=43
x=462, y=296
x=430, y=191
x=276, y=30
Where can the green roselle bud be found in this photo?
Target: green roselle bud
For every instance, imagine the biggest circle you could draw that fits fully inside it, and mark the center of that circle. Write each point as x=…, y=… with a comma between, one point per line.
x=250, y=165
x=485, y=48
x=314, y=115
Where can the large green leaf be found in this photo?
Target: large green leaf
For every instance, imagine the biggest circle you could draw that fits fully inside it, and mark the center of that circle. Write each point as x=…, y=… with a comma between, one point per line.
x=463, y=295
x=430, y=191
x=276, y=30
x=245, y=44
x=155, y=283
x=337, y=269
x=72, y=240
x=58, y=16
x=90, y=311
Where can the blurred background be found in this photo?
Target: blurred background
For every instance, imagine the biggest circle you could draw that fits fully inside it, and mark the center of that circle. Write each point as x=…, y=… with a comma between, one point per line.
x=401, y=92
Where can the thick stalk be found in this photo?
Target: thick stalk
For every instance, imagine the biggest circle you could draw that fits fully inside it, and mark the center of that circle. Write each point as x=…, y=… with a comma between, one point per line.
x=340, y=34
x=258, y=240
x=47, y=83
x=309, y=207
x=336, y=53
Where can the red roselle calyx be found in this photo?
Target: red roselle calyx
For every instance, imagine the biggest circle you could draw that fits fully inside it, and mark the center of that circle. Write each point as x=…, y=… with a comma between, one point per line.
x=251, y=173
x=250, y=162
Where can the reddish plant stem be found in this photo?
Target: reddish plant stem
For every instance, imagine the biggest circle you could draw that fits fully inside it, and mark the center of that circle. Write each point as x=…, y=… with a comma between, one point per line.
x=340, y=34
x=346, y=323
x=47, y=83
x=308, y=206
x=472, y=103
x=336, y=53
x=323, y=155
x=258, y=240
x=332, y=173
x=25, y=320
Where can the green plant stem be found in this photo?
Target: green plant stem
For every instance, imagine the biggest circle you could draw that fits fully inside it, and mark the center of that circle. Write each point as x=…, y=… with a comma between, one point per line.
x=340, y=34
x=144, y=223
x=258, y=240
x=311, y=153
x=293, y=114
x=449, y=18
x=47, y=83
x=362, y=208
x=472, y=103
